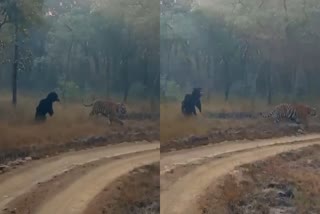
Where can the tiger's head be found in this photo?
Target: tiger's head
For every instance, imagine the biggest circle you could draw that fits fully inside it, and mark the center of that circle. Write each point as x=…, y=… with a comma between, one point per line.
x=121, y=109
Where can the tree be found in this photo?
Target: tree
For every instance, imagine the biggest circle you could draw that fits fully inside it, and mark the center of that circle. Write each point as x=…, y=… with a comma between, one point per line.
x=20, y=14
x=246, y=48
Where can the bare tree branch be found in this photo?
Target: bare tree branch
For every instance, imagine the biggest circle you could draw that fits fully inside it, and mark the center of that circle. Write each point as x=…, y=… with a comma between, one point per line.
x=261, y=3
x=304, y=10
x=69, y=28
x=285, y=8
x=5, y=20
x=234, y=4
x=168, y=25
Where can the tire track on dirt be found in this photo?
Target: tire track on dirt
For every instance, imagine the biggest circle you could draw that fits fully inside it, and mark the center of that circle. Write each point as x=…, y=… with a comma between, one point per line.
x=75, y=198
x=24, y=178
x=171, y=160
x=181, y=197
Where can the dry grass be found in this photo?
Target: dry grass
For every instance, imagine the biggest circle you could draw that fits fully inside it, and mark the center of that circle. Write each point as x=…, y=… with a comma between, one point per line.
x=136, y=193
x=174, y=125
x=221, y=200
x=71, y=120
x=250, y=191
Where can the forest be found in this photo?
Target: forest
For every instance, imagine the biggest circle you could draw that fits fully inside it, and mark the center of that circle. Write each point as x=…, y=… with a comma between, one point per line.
x=253, y=49
x=80, y=48
x=84, y=50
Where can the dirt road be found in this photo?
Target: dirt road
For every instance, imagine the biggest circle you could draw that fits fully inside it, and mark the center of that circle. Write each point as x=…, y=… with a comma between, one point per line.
x=171, y=160
x=76, y=197
x=82, y=189
x=181, y=196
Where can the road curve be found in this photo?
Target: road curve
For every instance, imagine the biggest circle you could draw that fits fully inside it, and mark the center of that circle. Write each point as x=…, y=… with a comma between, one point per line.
x=23, y=179
x=171, y=160
x=75, y=198
x=181, y=197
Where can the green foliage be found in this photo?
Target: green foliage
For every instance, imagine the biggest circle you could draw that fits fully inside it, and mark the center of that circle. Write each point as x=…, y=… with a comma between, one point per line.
x=25, y=13
x=171, y=89
x=68, y=89
x=106, y=47
x=242, y=47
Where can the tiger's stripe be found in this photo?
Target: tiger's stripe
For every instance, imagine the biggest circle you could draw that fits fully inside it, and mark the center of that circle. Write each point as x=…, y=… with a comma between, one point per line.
x=109, y=109
x=295, y=112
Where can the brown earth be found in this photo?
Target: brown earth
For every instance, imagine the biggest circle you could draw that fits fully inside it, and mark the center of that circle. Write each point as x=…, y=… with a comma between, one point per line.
x=253, y=130
x=68, y=182
x=286, y=183
x=172, y=160
x=182, y=186
x=219, y=121
x=51, y=144
x=70, y=128
x=135, y=193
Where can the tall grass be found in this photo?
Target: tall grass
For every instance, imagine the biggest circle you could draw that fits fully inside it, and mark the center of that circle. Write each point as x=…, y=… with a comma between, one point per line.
x=174, y=125
x=70, y=120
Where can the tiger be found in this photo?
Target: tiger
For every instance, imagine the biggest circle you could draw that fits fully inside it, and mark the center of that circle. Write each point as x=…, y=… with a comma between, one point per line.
x=296, y=112
x=109, y=109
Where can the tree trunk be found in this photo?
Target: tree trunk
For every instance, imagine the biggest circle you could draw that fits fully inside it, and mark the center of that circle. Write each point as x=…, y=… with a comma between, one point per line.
x=87, y=63
x=269, y=92
x=227, y=83
x=169, y=65
x=126, y=93
x=15, y=66
x=269, y=83
x=209, y=75
x=227, y=93
x=126, y=81
x=108, y=80
x=245, y=70
x=254, y=91
x=96, y=63
x=68, y=70
x=153, y=95
x=255, y=73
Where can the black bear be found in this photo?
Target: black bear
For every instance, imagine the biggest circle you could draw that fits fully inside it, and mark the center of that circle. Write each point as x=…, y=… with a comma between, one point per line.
x=191, y=101
x=45, y=107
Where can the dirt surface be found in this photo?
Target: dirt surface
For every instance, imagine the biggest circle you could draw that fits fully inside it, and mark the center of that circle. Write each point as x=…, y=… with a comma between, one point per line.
x=135, y=193
x=77, y=196
x=24, y=179
x=140, y=116
x=286, y=183
x=263, y=130
x=30, y=201
x=180, y=195
x=172, y=160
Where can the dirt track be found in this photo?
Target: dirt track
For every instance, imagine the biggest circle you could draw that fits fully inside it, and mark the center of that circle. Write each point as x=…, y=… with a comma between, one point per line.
x=76, y=197
x=181, y=195
x=81, y=190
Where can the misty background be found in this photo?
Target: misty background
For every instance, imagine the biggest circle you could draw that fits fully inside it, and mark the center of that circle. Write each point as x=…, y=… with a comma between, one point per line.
x=266, y=49
x=232, y=48
x=107, y=48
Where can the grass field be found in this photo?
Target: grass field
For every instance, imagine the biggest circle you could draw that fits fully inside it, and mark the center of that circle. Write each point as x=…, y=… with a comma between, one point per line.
x=70, y=120
x=174, y=125
x=256, y=187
